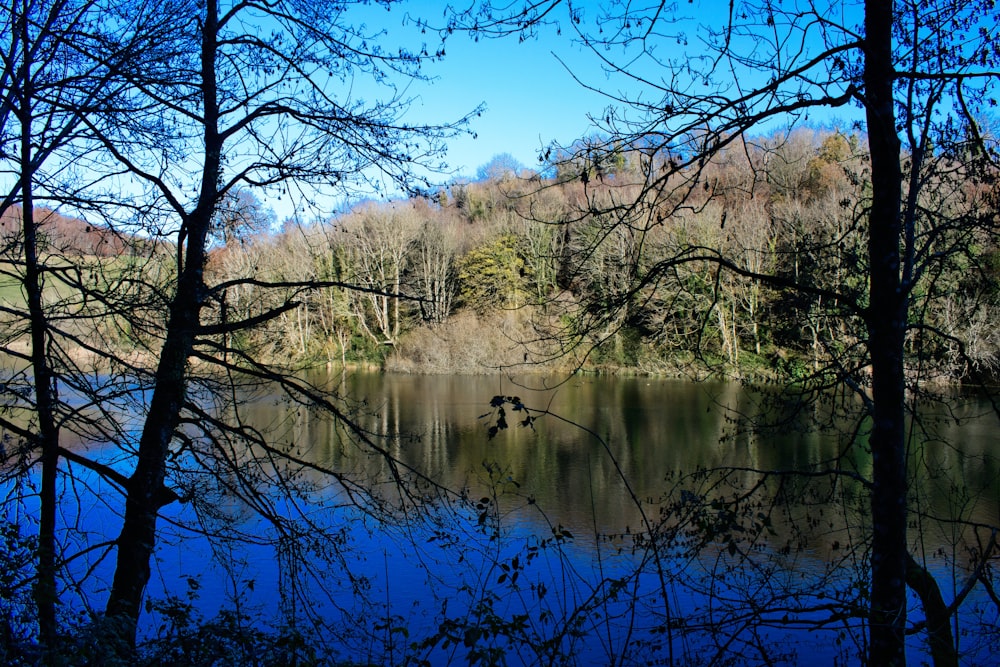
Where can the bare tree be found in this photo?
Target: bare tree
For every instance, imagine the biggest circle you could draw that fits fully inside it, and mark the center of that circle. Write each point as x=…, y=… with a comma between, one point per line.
x=922, y=76
x=249, y=107
x=434, y=271
x=378, y=240
x=182, y=110
x=52, y=80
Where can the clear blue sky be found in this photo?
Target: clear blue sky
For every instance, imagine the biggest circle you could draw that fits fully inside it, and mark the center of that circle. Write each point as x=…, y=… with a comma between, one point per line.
x=528, y=88
x=530, y=97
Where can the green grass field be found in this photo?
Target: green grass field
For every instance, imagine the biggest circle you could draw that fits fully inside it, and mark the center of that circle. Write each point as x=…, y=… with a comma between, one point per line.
x=10, y=291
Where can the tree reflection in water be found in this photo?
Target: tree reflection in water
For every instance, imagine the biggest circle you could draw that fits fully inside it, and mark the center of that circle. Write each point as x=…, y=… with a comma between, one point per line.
x=657, y=528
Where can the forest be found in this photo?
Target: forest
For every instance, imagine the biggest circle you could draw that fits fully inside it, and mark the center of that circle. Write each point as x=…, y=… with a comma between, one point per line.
x=181, y=367
x=502, y=271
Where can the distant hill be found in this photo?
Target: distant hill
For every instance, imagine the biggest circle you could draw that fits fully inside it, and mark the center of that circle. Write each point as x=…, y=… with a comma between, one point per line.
x=66, y=235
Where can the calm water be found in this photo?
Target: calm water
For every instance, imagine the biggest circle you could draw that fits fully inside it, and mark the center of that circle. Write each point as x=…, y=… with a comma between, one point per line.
x=544, y=559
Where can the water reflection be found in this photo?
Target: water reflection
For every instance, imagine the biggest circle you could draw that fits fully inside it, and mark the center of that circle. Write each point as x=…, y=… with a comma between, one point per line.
x=616, y=458
x=552, y=555
x=603, y=432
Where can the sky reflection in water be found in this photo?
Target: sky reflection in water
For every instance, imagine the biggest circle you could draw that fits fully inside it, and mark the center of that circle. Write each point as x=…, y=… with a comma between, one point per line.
x=566, y=523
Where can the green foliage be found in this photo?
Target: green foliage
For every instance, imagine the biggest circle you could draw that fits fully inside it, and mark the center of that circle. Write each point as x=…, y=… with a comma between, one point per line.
x=623, y=348
x=495, y=275
x=991, y=262
x=471, y=202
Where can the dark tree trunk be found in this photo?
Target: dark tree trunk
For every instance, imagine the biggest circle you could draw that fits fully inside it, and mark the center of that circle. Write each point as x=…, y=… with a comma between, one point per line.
x=146, y=490
x=886, y=322
x=146, y=485
x=45, y=387
x=939, y=634
x=48, y=430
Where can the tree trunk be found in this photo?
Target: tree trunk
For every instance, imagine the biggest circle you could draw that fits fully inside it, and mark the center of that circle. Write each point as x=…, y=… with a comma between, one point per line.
x=45, y=406
x=939, y=635
x=886, y=321
x=45, y=387
x=146, y=492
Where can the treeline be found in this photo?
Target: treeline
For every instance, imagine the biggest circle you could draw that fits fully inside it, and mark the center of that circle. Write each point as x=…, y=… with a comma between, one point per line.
x=63, y=235
x=529, y=269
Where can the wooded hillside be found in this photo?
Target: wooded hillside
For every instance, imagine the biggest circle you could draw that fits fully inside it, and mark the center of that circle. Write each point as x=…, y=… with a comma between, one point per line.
x=62, y=235
x=511, y=269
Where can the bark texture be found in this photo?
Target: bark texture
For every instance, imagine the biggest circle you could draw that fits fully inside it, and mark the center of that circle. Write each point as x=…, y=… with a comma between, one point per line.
x=886, y=325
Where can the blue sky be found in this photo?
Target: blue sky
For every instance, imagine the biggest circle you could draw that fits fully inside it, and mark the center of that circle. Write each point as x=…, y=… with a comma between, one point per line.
x=530, y=97
x=528, y=88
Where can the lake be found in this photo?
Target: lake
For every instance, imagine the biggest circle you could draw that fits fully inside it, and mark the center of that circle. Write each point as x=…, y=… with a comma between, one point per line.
x=628, y=523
